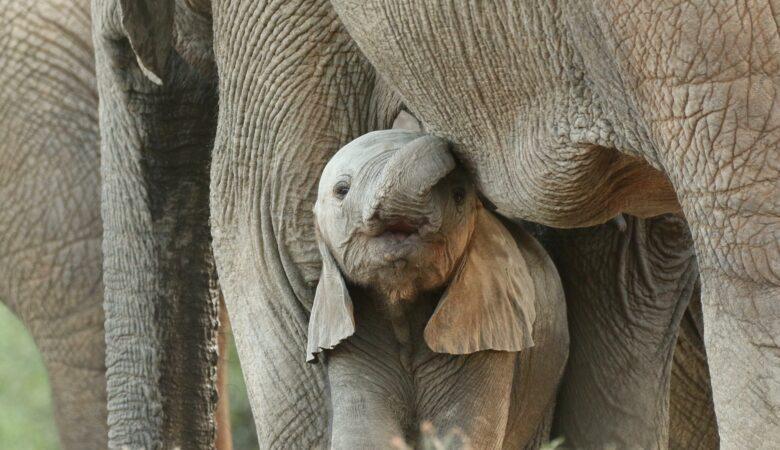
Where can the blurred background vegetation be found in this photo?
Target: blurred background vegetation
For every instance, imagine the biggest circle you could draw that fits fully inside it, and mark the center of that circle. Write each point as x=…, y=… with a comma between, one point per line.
x=244, y=435
x=26, y=419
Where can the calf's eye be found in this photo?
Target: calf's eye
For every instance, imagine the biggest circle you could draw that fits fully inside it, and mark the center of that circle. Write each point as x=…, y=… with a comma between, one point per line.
x=459, y=195
x=341, y=189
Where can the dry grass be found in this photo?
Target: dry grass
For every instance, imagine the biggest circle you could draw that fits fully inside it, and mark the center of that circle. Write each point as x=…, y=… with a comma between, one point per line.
x=455, y=439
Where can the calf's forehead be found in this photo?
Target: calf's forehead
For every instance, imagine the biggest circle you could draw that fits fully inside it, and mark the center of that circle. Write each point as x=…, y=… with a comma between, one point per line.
x=364, y=149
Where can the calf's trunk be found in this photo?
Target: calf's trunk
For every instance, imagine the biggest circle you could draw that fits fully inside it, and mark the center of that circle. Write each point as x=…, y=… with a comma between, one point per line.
x=408, y=178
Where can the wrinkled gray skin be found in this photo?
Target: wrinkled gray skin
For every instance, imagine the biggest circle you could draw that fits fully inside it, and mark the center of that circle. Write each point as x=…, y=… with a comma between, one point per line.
x=618, y=106
x=565, y=117
x=425, y=300
x=160, y=286
x=627, y=291
x=692, y=422
x=50, y=225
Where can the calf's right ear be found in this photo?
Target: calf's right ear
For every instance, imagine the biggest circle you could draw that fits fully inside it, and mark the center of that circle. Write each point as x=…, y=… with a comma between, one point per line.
x=490, y=302
x=332, y=318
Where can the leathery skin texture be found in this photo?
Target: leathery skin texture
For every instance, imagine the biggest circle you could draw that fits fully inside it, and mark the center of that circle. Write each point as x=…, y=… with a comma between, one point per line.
x=589, y=109
x=50, y=226
x=566, y=114
x=426, y=308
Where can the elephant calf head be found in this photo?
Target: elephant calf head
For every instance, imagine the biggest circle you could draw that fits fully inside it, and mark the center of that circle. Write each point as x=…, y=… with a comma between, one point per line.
x=397, y=216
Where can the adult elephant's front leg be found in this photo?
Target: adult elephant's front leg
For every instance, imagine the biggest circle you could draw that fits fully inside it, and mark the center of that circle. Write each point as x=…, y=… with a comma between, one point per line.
x=626, y=291
x=293, y=89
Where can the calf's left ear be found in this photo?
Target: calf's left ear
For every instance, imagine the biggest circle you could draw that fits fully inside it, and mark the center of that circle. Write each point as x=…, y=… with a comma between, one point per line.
x=332, y=319
x=489, y=304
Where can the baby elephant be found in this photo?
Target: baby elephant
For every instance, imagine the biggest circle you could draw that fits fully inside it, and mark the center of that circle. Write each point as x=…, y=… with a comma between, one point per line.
x=425, y=300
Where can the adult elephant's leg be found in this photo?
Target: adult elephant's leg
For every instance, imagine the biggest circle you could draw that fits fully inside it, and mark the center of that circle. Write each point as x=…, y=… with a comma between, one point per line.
x=626, y=292
x=711, y=104
x=692, y=422
x=161, y=316
x=733, y=205
x=50, y=225
x=224, y=439
x=728, y=182
x=293, y=88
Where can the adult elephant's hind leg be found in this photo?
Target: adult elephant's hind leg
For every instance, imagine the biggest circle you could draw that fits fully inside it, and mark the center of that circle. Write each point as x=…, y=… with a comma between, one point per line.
x=626, y=292
x=692, y=423
x=724, y=162
x=732, y=202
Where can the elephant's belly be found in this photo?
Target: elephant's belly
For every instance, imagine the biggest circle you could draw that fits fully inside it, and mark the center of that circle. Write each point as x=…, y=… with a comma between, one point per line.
x=505, y=85
x=570, y=185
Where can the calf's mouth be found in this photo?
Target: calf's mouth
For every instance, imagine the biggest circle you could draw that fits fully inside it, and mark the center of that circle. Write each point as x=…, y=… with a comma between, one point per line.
x=402, y=226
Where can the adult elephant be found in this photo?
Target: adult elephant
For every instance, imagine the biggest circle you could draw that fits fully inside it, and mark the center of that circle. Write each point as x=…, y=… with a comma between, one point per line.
x=292, y=88
x=50, y=226
x=545, y=141
x=569, y=113
x=50, y=223
x=635, y=378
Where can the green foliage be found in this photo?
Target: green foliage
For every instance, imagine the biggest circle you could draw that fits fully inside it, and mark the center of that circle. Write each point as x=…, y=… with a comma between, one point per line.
x=243, y=425
x=26, y=419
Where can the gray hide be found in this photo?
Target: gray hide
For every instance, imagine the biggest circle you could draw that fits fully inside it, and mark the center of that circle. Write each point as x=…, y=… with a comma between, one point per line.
x=425, y=300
